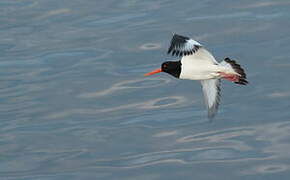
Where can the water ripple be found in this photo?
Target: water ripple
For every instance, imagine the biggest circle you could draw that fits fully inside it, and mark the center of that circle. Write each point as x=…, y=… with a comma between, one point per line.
x=127, y=84
x=266, y=169
x=157, y=103
x=229, y=145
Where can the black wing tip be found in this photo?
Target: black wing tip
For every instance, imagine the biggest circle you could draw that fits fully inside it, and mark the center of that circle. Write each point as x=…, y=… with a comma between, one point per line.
x=212, y=112
x=175, y=35
x=211, y=116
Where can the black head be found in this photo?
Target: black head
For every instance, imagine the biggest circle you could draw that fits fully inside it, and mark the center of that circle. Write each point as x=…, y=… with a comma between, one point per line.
x=172, y=67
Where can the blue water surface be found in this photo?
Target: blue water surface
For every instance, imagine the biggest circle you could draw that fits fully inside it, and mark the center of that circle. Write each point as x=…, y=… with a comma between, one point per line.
x=74, y=103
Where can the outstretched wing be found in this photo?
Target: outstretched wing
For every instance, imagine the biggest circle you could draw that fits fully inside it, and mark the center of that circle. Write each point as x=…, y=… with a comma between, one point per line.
x=189, y=49
x=211, y=91
x=182, y=46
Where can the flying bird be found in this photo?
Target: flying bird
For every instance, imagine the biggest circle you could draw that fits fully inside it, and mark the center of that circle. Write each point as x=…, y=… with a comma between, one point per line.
x=197, y=63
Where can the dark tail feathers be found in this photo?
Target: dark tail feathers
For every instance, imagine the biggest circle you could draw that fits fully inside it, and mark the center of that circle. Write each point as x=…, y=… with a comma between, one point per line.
x=243, y=78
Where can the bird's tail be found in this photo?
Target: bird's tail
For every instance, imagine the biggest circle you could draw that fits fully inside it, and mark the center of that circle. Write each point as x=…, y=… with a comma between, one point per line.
x=240, y=77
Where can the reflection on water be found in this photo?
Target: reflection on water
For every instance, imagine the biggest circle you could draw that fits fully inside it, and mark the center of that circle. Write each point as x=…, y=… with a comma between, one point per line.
x=266, y=169
x=75, y=104
x=243, y=144
x=150, y=46
x=279, y=94
x=150, y=104
x=57, y=12
x=265, y=4
x=127, y=84
x=165, y=134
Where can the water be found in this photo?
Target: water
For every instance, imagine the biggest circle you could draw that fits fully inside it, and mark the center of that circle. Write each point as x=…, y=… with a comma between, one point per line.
x=74, y=103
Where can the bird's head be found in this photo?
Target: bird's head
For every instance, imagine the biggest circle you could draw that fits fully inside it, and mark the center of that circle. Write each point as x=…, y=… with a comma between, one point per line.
x=171, y=67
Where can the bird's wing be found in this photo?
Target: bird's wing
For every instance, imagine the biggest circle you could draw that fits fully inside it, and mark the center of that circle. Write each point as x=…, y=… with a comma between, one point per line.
x=189, y=49
x=183, y=46
x=211, y=91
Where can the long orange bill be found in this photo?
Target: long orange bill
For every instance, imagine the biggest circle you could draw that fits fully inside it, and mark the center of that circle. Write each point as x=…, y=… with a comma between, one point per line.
x=153, y=72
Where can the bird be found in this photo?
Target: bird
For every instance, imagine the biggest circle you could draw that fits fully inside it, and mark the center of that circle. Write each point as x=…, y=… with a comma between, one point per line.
x=197, y=63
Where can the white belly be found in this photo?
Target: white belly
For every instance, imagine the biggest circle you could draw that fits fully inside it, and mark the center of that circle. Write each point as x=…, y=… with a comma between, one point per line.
x=199, y=70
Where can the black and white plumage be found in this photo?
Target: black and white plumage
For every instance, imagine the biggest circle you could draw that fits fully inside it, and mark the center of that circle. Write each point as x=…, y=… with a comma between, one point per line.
x=199, y=64
x=181, y=45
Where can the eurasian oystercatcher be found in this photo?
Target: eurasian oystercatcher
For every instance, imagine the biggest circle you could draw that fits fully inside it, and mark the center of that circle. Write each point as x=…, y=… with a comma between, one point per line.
x=197, y=63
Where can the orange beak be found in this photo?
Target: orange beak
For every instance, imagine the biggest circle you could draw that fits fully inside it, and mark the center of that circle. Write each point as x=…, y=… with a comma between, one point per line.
x=153, y=72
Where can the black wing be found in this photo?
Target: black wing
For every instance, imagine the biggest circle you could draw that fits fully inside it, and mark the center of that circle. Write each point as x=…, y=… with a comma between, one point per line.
x=183, y=46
